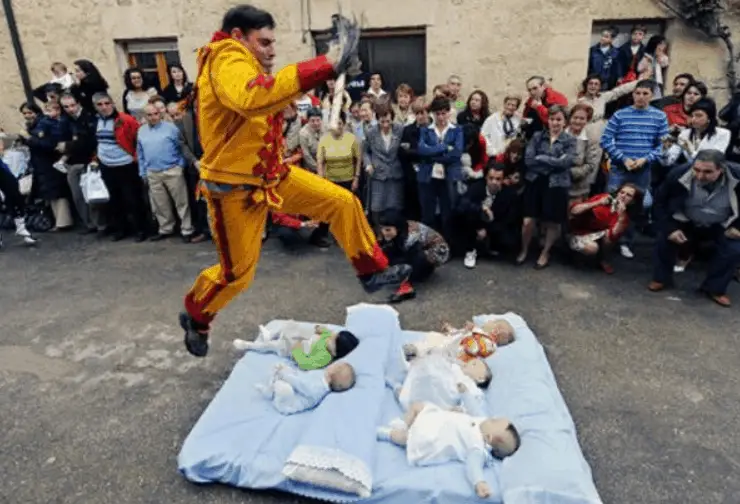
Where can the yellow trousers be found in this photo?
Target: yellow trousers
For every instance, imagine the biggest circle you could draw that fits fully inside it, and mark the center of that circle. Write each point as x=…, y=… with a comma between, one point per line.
x=238, y=218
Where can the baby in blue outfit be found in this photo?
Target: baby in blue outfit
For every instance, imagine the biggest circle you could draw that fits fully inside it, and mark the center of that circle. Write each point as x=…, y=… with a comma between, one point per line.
x=292, y=391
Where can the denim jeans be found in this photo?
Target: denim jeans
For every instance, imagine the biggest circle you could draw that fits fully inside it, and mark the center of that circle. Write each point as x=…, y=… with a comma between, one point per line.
x=442, y=194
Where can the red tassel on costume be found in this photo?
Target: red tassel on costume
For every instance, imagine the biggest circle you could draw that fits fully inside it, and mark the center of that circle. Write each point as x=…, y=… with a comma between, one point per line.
x=365, y=264
x=219, y=36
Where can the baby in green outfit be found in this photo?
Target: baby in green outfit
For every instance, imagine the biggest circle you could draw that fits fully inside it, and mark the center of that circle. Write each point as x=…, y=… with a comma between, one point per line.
x=309, y=350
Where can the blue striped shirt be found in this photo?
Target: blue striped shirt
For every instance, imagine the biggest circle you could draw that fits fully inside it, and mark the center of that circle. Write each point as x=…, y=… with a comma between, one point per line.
x=634, y=133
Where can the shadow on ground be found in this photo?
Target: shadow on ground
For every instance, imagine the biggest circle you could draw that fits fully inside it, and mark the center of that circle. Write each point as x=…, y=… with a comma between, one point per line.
x=97, y=392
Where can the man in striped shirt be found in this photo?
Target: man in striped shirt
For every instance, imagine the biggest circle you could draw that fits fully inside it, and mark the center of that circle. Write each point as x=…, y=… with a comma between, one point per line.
x=633, y=139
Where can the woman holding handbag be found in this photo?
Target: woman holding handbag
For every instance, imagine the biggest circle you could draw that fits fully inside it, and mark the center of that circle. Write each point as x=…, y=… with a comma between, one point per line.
x=13, y=201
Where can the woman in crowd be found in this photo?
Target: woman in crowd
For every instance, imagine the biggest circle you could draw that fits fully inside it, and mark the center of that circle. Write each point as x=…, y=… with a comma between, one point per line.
x=42, y=136
x=475, y=156
x=500, y=128
x=292, y=135
x=410, y=158
x=410, y=242
x=88, y=81
x=592, y=94
x=328, y=99
x=136, y=96
x=704, y=134
x=402, y=108
x=548, y=159
x=678, y=113
x=656, y=61
x=476, y=110
x=376, y=90
x=367, y=118
x=179, y=88
x=588, y=152
x=440, y=147
x=597, y=223
x=443, y=91
x=513, y=157
x=383, y=164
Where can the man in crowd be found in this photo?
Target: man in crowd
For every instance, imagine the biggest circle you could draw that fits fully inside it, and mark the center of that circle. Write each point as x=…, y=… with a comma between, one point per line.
x=541, y=98
x=489, y=217
x=602, y=58
x=630, y=53
x=116, y=154
x=310, y=136
x=699, y=203
x=633, y=139
x=80, y=126
x=680, y=83
x=161, y=163
x=454, y=84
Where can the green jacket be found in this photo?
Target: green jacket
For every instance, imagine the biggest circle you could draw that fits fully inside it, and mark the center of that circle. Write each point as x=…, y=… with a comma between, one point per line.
x=319, y=356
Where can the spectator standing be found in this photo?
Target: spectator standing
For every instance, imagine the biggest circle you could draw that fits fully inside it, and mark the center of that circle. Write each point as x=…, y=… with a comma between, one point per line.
x=42, y=135
x=14, y=201
x=656, y=60
x=310, y=136
x=678, y=113
x=541, y=98
x=292, y=134
x=476, y=111
x=88, y=81
x=116, y=138
x=180, y=88
x=680, y=83
x=383, y=164
x=376, y=90
x=410, y=158
x=602, y=58
x=454, y=85
x=80, y=150
x=440, y=147
x=588, y=152
x=159, y=150
x=699, y=203
x=549, y=157
x=402, y=110
x=137, y=94
x=328, y=98
x=593, y=95
x=500, y=128
x=633, y=140
x=629, y=55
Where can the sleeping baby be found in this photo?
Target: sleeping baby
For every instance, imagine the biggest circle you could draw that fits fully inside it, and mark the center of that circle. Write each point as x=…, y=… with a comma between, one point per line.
x=432, y=435
x=470, y=342
x=293, y=391
x=309, y=349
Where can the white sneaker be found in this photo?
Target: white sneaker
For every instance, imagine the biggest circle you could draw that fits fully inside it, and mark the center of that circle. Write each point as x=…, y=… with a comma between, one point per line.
x=23, y=232
x=626, y=252
x=470, y=259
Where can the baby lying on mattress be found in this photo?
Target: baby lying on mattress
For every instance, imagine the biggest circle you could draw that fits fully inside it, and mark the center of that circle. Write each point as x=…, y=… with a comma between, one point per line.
x=433, y=435
x=470, y=342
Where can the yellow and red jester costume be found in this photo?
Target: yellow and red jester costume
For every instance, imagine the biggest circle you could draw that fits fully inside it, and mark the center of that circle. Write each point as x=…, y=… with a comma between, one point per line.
x=239, y=108
x=476, y=345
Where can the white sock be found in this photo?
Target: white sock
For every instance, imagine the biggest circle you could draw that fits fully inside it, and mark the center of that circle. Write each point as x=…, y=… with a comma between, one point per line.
x=384, y=433
x=241, y=345
x=20, y=227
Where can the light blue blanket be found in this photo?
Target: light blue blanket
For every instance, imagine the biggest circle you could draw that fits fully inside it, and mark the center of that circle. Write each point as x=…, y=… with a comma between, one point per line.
x=241, y=440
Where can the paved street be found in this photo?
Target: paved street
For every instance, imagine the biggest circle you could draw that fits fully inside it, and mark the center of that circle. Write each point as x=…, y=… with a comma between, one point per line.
x=97, y=392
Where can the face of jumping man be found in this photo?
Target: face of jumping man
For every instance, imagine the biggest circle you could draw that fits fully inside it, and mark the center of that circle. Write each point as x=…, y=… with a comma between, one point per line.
x=261, y=43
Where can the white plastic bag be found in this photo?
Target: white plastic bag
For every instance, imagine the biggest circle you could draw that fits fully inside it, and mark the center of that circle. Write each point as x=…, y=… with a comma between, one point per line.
x=93, y=188
x=25, y=184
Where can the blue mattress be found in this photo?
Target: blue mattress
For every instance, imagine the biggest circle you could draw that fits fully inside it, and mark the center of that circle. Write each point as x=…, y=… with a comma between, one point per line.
x=241, y=440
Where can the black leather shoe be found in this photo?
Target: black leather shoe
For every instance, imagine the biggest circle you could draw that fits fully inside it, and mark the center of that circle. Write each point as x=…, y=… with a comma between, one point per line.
x=196, y=341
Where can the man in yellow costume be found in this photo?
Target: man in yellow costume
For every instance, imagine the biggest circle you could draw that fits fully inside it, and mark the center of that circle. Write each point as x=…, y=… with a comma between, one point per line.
x=243, y=176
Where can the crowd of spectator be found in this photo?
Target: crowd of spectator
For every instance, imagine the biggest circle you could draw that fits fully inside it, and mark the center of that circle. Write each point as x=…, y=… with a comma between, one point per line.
x=439, y=176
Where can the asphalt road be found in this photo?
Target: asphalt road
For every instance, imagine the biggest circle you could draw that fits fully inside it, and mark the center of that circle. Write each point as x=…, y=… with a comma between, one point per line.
x=97, y=393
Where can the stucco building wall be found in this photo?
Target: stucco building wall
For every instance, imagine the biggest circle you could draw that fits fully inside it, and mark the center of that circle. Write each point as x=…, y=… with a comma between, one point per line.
x=492, y=44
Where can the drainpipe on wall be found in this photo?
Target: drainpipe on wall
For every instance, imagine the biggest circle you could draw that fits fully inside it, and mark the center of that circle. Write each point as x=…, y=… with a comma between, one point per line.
x=18, y=48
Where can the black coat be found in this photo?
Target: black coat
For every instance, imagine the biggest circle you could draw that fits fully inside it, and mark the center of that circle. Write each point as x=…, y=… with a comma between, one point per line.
x=171, y=95
x=625, y=59
x=80, y=137
x=48, y=182
x=505, y=208
x=85, y=90
x=673, y=193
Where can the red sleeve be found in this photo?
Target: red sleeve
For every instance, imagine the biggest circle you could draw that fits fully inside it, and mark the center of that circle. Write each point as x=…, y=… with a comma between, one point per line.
x=286, y=220
x=500, y=157
x=542, y=112
x=483, y=154
x=556, y=98
x=313, y=72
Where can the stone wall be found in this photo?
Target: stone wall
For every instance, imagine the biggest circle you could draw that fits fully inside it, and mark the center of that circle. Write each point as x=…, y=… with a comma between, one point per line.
x=491, y=44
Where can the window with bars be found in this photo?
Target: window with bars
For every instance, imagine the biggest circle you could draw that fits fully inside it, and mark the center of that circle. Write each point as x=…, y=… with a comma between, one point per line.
x=153, y=57
x=400, y=55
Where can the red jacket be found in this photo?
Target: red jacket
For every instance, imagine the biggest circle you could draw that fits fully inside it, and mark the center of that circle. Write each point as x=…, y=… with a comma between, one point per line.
x=286, y=220
x=600, y=218
x=551, y=98
x=479, y=158
x=676, y=115
x=125, y=128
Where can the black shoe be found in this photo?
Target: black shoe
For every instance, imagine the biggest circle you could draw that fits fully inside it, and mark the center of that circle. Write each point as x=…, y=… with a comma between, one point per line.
x=321, y=242
x=87, y=231
x=187, y=238
x=118, y=237
x=160, y=237
x=140, y=237
x=195, y=341
x=391, y=276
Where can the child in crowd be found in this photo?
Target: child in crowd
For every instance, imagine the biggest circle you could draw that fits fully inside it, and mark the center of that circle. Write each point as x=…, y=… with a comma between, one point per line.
x=293, y=392
x=309, y=350
x=61, y=76
x=432, y=435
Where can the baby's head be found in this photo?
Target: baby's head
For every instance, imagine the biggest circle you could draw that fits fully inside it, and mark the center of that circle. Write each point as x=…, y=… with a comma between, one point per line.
x=341, y=344
x=500, y=330
x=478, y=371
x=341, y=376
x=501, y=436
